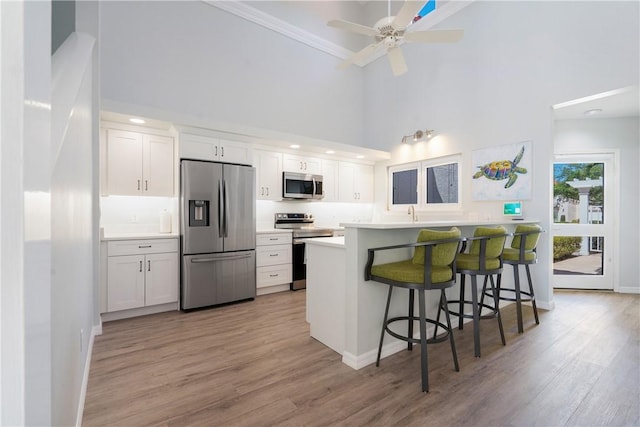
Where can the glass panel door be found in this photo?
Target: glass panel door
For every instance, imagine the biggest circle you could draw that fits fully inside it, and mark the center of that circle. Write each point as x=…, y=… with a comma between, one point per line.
x=583, y=221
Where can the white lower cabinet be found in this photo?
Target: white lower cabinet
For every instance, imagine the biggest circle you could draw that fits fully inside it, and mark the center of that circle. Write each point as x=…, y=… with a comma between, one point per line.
x=141, y=273
x=274, y=272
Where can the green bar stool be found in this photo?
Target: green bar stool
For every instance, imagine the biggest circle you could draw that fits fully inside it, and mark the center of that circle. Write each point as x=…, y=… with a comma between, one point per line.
x=521, y=254
x=433, y=266
x=483, y=259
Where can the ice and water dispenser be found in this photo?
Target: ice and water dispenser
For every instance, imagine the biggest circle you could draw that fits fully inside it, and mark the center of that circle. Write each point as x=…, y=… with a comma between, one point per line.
x=198, y=213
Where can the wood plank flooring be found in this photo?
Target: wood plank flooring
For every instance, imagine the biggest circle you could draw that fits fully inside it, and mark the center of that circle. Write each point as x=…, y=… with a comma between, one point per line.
x=254, y=364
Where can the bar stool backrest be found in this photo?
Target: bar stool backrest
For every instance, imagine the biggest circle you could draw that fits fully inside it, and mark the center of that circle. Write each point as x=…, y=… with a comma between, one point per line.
x=530, y=240
x=494, y=246
x=442, y=255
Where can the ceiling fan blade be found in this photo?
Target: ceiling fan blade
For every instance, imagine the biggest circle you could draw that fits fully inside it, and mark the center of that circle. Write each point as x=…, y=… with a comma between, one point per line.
x=396, y=59
x=407, y=12
x=434, y=36
x=353, y=27
x=358, y=56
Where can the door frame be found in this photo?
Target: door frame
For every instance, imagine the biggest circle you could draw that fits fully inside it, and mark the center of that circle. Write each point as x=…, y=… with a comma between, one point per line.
x=611, y=264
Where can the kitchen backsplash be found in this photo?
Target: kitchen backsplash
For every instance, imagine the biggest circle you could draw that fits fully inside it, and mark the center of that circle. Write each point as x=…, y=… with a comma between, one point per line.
x=136, y=214
x=142, y=214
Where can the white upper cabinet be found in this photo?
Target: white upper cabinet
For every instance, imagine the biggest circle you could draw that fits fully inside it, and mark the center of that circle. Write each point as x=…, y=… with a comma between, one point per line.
x=302, y=164
x=355, y=182
x=330, y=180
x=139, y=164
x=268, y=166
x=199, y=147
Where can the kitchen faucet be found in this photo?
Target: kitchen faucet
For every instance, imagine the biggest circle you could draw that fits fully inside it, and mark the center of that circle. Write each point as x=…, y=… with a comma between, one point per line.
x=412, y=212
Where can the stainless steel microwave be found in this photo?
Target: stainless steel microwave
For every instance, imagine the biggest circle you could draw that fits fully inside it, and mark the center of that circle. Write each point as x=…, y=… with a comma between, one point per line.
x=301, y=186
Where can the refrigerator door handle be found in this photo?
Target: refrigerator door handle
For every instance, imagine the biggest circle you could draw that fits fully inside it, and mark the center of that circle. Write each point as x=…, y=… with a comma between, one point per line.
x=226, y=209
x=202, y=260
x=220, y=210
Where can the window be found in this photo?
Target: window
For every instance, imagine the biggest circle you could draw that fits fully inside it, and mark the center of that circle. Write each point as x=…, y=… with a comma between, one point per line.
x=429, y=185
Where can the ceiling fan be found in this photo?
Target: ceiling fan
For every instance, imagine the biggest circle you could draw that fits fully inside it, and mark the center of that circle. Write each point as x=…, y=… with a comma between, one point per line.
x=390, y=32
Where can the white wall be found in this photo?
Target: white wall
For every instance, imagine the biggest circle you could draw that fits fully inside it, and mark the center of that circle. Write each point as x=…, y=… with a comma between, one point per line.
x=498, y=84
x=12, y=310
x=73, y=235
x=623, y=134
x=195, y=62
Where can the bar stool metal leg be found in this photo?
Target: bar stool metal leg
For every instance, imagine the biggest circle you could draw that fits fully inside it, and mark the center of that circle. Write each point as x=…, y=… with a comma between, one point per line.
x=461, y=307
x=476, y=315
x=443, y=303
x=533, y=297
x=496, y=305
x=423, y=341
x=384, y=324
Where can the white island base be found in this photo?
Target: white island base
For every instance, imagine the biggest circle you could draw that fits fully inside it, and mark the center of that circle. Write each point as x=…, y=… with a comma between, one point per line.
x=345, y=311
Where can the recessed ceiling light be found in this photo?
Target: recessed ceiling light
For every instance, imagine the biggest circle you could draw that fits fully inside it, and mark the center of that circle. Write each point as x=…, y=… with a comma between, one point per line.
x=360, y=156
x=330, y=152
x=137, y=121
x=294, y=146
x=593, y=112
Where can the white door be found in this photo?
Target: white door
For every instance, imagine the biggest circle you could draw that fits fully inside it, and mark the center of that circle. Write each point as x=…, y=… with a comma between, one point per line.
x=157, y=166
x=124, y=163
x=268, y=175
x=585, y=215
x=125, y=282
x=161, y=278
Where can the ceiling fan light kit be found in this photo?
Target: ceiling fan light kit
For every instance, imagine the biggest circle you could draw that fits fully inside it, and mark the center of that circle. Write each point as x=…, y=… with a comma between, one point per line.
x=391, y=32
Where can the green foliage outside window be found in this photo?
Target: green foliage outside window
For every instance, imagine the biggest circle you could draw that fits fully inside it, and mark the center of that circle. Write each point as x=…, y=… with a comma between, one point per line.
x=565, y=246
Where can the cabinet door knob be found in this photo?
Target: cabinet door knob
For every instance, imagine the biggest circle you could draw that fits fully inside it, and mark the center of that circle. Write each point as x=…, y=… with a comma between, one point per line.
x=140, y=266
x=148, y=265
x=146, y=185
x=221, y=151
x=138, y=185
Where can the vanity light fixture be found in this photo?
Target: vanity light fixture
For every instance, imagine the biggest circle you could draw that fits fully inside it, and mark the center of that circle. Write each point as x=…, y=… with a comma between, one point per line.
x=360, y=156
x=418, y=135
x=330, y=152
x=294, y=146
x=136, y=121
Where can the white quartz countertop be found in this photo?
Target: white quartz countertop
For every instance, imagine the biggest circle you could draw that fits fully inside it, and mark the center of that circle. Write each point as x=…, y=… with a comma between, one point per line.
x=335, y=242
x=435, y=223
x=272, y=231
x=132, y=235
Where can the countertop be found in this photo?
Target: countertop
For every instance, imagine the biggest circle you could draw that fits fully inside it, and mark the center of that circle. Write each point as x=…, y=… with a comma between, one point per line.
x=335, y=242
x=137, y=235
x=436, y=223
x=272, y=230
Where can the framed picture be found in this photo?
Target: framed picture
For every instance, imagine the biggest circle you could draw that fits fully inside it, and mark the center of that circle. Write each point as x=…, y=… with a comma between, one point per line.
x=502, y=172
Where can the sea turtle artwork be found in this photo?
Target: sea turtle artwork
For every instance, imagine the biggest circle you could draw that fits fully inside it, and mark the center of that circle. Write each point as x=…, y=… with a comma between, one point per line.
x=502, y=169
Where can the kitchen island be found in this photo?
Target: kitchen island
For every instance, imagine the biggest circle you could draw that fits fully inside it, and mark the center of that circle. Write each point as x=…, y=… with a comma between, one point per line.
x=345, y=311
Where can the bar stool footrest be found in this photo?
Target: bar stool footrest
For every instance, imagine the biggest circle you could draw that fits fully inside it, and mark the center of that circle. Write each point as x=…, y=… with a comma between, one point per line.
x=525, y=296
x=494, y=312
x=412, y=340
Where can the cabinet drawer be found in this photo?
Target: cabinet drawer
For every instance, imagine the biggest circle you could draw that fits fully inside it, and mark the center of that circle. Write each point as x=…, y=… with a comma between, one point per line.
x=273, y=239
x=135, y=247
x=272, y=255
x=273, y=275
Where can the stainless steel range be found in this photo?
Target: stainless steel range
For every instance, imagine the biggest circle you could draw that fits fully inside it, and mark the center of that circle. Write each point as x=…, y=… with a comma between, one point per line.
x=302, y=227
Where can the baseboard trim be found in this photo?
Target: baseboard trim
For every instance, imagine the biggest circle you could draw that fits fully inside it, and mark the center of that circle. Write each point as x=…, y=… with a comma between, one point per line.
x=628, y=290
x=96, y=330
x=135, y=312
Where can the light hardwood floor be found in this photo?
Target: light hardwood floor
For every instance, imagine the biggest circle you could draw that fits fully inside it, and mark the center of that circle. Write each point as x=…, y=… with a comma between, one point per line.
x=254, y=364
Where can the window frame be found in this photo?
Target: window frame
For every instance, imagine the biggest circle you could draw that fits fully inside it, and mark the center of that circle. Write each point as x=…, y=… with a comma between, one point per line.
x=422, y=166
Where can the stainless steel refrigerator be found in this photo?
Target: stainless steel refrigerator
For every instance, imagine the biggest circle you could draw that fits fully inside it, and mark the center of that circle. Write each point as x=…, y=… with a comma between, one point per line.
x=218, y=233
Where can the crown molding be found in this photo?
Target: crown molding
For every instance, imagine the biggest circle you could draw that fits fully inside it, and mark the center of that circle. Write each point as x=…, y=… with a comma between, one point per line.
x=271, y=22
x=287, y=29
